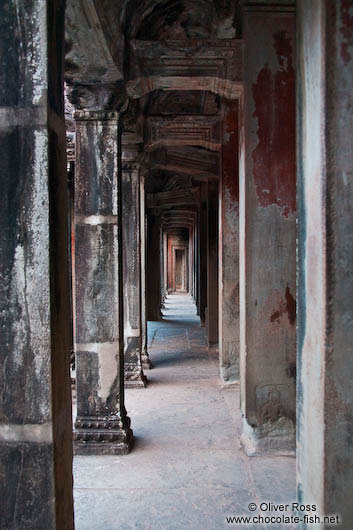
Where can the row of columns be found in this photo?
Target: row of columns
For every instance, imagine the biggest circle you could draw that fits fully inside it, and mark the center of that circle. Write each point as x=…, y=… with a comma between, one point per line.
x=109, y=281
x=35, y=399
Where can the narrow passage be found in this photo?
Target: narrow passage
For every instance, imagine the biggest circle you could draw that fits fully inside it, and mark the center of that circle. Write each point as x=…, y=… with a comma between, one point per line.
x=187, y=470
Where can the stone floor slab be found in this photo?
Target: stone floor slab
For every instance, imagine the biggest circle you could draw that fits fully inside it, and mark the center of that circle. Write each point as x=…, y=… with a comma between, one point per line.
x=187, y=470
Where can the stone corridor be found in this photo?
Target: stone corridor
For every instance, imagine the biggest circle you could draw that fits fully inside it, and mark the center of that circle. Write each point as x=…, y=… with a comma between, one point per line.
x=187, y=470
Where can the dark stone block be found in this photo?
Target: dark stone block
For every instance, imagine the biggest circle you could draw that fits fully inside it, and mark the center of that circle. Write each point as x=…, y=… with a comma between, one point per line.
x=27, y=494
x=96, y=168
x=96, y=283
x=87, y=383
x=16, y=77
x=24, y=290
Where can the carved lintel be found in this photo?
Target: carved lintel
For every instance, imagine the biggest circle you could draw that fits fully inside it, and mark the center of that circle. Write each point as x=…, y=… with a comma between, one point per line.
x=95, y=115
x=186, y=130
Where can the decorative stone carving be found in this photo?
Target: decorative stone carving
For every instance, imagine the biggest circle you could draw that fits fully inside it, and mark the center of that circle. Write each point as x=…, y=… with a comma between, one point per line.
x=183, y=130
x=213, y=65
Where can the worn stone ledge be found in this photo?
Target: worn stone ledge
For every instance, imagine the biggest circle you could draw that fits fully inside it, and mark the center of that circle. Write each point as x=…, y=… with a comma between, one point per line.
x=103, y=448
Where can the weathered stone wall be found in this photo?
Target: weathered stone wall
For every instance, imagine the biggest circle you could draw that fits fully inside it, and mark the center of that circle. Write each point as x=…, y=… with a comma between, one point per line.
x=35, y=397
x=325, y=191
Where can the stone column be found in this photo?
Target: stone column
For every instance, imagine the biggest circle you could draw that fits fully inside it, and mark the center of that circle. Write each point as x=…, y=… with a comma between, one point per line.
x=161, y=264
x=229, y=327
x=325, y=277
x=165, y=267
x=268, y=231
x=130, y=191
x=145, y=360
x=196, y=262
x=202, y=239
x=101, y=426
x=153, y=267
x=190, y=262
x=35, y=397
x=212, y=264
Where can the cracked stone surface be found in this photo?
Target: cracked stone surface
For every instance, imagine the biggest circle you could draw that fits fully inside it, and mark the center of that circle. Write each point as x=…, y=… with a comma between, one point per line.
x=187, y=469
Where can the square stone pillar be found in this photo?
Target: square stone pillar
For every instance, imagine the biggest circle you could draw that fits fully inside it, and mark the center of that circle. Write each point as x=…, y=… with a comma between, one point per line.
x=190, y=282
x=153, y=267
x=196, y=261
x=212, y=264
x=101, y=426
x=130, y=190
x=165, y=267
x=325, y=270
x=145, y=360
x=229, y=326
x=35, y=338
x=268, y=231
x=202, y=251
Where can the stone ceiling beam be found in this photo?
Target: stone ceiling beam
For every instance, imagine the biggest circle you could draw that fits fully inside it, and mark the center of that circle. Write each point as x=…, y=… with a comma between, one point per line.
x=175, y=197
x=183, y=131
x=187, y=160
x=213, y=65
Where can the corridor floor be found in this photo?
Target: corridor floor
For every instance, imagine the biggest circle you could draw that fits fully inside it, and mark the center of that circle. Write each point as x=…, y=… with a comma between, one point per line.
x=186, y=470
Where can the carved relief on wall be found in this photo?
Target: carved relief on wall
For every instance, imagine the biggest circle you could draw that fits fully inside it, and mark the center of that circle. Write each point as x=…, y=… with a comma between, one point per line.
x=270, y=402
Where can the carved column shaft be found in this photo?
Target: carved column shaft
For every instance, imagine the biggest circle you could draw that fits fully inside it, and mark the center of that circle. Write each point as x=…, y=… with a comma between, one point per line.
x=101, y=426
x=202, y=239
x=145, y=360
x=133, y=373
x=229, y=327
x=212, y=264
x=35, y=338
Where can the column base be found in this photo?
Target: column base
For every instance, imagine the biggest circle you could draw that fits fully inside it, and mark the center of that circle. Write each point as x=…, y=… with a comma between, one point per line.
x=102, y=436
x=134, y=377
x=146, y=361
x=230, y=372
x=276, y=438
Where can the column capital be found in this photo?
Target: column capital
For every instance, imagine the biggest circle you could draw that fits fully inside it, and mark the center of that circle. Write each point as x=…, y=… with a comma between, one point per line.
x=131, y=151
x=95, y=115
